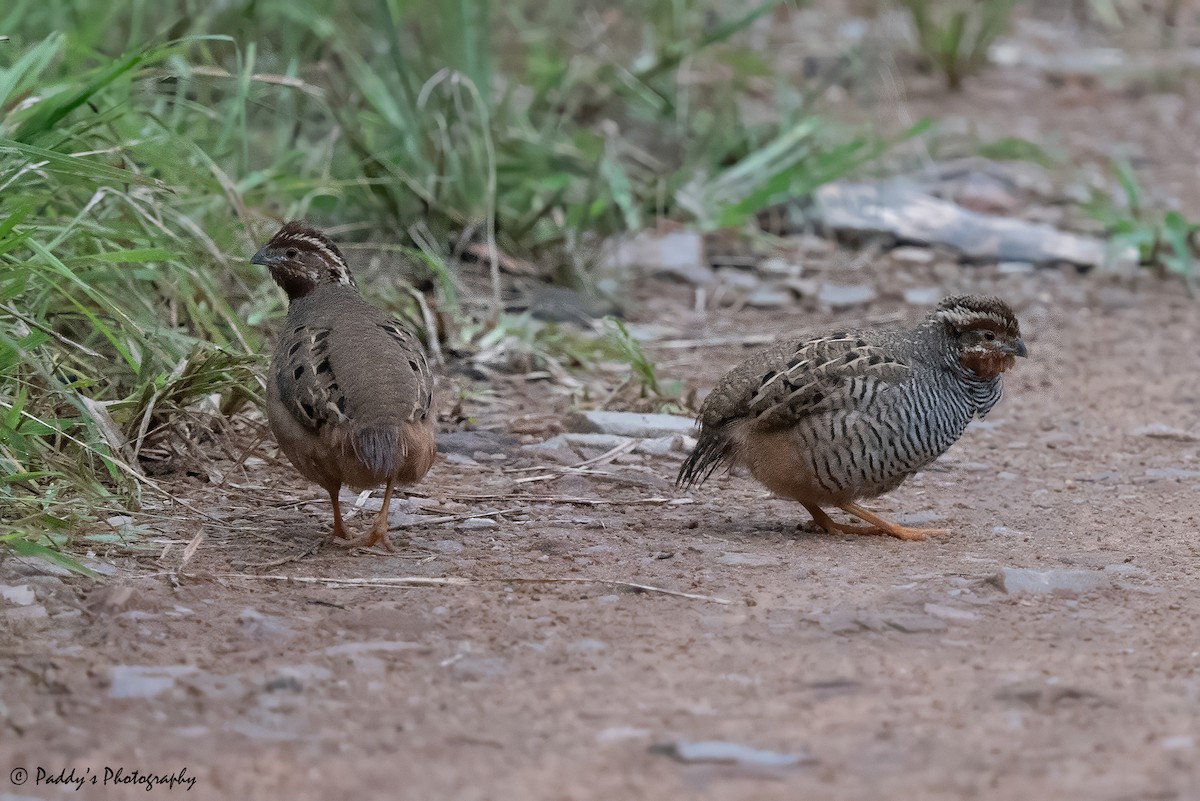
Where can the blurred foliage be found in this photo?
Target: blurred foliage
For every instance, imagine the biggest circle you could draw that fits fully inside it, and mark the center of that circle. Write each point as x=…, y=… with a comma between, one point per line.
x=1164, y=241
x=953, y=36
x=146, y=148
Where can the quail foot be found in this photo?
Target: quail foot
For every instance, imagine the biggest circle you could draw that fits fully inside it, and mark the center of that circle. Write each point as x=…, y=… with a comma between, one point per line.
x=349, y=393
x=833, y=420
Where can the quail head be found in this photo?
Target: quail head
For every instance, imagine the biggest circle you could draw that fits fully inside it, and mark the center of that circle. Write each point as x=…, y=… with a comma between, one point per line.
x=840, y=418
x=349, y=393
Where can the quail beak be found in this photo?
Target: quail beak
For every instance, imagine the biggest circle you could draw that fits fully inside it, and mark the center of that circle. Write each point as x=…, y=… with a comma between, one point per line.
x=1018, y=349
x=261, y=258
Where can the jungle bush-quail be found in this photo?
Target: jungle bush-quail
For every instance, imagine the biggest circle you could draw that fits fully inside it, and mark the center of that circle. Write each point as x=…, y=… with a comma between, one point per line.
x=833, y=420
x=349, y=393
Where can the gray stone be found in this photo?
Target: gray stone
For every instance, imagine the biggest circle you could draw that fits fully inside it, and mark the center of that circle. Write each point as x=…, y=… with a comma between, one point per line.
x=353, y=649
x=841, y=622
x=20, y=594
x=304, y=673
x=775, y=266
x=675, y=253
x=96, y=566
x=1171, y=472
x=1180, y=742
x=629, y=424
x=476, y=523
x=36, y=566
x=901, y=210
x=1164, y=431
x=914, y=623
x=842, y=296
x=769, y=297
x=719, y=751
x=264, y=627
x=1017, y=580
x=1126, y=569
x=144, y=681
x=738, y=279
x=601, y=442
x=911, y=254
x=949, y=612
x=748, y=559
x=587, y=647
x=922, y=295
x=467, y=443
x=32, y=612
x=447, y=546
x=479, y=668
x=1014, y=267
x=804, y=287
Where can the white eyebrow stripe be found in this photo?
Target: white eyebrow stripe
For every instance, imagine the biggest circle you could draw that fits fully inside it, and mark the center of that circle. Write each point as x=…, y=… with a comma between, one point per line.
x=340, y=268
x=321, y=246
x=957, y=316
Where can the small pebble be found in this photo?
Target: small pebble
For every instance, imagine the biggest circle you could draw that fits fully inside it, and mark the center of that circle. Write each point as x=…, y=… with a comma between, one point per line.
x=477, y=522
x=840, y=296
x=922, y=296
x=748, y=559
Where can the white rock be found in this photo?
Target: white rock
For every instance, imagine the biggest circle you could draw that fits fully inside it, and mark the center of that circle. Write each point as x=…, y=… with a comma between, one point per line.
x=840, y=296
x=629, y=424
x=912, y=255
x=949, y=612
x=1014, y=267
x=769, y=297
x=1164, y=431
x=20, y=594
x=678, y=253
x=748, y=559
x=1017, y=580
x=922, y=296
x=144, y=681
x=476, y=523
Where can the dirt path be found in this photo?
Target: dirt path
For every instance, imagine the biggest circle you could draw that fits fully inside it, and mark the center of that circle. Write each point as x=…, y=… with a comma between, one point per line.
x=872, y=667
x=882, y=666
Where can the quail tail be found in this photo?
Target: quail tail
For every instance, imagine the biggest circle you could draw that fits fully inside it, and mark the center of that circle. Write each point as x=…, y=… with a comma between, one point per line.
x=376, y=448
x=714, y=448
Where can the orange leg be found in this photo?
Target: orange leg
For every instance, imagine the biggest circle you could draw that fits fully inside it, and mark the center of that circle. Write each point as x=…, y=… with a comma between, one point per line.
x=339, y=527
x=829, y=524
x=887, y=527
x=379, y=531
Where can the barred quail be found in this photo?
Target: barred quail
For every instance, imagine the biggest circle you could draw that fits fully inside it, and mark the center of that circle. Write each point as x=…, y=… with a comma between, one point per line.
x=349, y=393
x=848, y=416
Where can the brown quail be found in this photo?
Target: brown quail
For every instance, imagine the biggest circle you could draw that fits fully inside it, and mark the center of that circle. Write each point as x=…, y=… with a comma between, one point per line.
x=349, y=393
x=830, y=421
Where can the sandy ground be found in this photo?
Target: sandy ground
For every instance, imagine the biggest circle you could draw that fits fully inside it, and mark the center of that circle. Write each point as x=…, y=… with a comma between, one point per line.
x=882, y=666
x=865, y=666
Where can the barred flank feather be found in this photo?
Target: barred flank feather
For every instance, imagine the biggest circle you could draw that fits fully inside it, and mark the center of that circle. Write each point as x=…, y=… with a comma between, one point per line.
x=713, y=449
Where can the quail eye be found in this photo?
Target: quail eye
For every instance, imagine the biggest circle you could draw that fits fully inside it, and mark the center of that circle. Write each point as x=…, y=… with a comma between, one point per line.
x=292, y=253
x=989, y=335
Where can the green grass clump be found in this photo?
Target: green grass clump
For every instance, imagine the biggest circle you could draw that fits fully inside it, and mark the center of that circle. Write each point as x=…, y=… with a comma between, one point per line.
x=953, y=36
x=147, y=148
x=1163, y=241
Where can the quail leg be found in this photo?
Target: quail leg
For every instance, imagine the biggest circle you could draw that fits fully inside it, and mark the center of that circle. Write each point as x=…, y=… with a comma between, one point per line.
x=829, y=524
x=339, y=527
x=886, y=527
x=379, y=531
